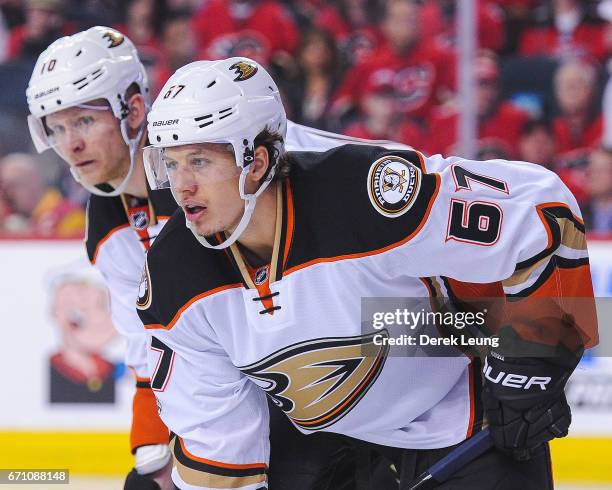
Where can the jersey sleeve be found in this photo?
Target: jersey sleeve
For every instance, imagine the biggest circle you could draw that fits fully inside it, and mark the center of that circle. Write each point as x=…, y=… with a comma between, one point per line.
x=305, y=138
x=122, y=273
x=122, y=278
x=220, y=418
x=518, y=225
x=146, y=426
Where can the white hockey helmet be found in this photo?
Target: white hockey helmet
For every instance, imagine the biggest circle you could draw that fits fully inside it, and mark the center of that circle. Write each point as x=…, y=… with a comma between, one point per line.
x=226, y=101
x=99, y=63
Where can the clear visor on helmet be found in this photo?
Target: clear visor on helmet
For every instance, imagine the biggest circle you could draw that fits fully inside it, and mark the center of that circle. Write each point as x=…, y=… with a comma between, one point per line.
x=201, y=164
x=66, y=129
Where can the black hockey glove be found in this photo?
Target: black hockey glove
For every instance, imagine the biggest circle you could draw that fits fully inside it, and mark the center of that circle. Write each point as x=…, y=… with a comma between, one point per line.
x=524, y=398
x=136, y=481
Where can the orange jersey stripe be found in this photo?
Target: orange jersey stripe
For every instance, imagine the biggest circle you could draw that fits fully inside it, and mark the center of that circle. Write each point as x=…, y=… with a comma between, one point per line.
x=471, y=394
x=570, y=283
x=474, y=290
x=189, y=303
x=539, y=317
x=219, y=464
x=147, y=427
x=290, y=224
x=108, y=235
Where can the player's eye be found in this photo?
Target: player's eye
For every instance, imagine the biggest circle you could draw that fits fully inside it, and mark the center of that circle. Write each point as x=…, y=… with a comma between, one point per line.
x=199, y=163
x=56, y=129
x=84, y=121
x=171, y=164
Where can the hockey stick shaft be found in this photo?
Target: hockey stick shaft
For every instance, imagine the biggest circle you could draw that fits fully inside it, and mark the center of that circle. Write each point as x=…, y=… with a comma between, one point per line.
x=455, y=460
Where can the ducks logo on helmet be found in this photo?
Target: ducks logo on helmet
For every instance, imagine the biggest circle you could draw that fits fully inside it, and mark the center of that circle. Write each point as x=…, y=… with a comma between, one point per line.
x=244, y=70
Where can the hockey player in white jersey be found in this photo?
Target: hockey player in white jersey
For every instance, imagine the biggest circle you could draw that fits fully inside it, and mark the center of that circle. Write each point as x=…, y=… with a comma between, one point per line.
x=88, y=97
x=254, y=288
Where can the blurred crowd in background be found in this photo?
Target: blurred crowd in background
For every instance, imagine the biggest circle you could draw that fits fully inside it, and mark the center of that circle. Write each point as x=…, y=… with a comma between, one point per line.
x=379, y=69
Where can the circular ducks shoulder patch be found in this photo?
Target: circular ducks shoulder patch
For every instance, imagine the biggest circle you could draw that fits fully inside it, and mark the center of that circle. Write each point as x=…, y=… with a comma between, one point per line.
x=393, y=185
x=144, y=290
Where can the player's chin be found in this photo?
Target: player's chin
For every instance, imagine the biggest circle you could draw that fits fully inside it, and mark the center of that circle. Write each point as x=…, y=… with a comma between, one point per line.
x=92, y=180
x=94, y=177
x=206, y=229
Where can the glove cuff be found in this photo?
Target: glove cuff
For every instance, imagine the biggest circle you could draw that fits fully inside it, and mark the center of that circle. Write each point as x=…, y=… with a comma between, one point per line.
x=149, y=459
x=513, y=348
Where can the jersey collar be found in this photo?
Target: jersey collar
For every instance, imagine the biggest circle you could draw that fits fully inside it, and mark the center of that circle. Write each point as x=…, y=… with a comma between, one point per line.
x=283, y=237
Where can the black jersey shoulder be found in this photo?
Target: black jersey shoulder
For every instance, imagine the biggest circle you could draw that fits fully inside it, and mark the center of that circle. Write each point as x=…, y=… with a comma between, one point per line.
x=180, y=269
x=163, y=202
x=104, y=214
x=334, y=214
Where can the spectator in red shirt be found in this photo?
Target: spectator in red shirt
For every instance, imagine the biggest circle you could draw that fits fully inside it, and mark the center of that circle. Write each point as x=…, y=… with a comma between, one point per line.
x=44, y=23
x=439, y=21
x=579, y=127
x=178, y=46
x=352, y=25
x=377, y=109
x=568, y=33
x=499, y=122
x=36, y=209
x=410, y=133
x=422, y=74
x=537, y=144
x=260, y=29
x=140, y=26
x=599, y=184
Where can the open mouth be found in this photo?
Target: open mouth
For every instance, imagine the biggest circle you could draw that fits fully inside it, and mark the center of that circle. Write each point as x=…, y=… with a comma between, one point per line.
x=193, y=212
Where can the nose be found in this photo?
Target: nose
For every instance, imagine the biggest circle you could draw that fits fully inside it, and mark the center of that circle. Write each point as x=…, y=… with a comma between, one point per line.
x=74, y=141
x=183, y=180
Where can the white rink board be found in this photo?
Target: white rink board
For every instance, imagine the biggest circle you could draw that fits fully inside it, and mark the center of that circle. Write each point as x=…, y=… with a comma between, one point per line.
x=30, y=337
x=29, y=267
x=590, y=388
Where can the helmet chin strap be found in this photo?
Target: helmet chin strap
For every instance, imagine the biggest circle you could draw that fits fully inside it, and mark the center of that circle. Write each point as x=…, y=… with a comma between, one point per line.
x=249, y=207
x=133, y=145
x=250, y=200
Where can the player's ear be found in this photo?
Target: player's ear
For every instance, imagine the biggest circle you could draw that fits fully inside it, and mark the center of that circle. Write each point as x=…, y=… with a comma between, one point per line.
x=259, y=167
x=137, y=115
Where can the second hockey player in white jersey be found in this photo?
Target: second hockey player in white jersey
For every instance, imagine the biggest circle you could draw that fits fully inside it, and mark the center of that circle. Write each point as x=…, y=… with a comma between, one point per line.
x=255, y=286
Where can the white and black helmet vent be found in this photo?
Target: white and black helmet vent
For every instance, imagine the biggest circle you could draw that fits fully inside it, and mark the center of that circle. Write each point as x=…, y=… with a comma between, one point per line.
x=83, y=82
x=225, y=113
x=203, y=118
x=207, y=119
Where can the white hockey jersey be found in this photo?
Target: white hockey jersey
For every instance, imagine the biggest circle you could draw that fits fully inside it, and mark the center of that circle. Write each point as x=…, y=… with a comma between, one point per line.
x=354, y=222
x=119, y=232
